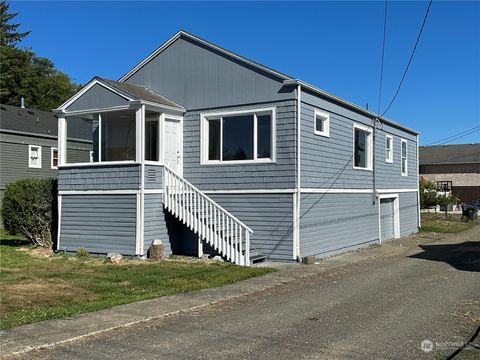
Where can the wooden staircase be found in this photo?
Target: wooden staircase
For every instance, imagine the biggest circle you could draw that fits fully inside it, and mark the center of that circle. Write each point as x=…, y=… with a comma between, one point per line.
x=226, y=234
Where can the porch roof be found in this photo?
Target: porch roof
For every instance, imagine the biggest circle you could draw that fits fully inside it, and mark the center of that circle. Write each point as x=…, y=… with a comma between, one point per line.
x=136, y=92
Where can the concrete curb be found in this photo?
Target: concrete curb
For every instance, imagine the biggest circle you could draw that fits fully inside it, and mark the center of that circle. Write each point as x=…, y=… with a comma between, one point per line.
x=51, y=333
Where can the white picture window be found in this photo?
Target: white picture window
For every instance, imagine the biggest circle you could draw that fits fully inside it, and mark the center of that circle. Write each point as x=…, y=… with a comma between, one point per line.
x=34, y=156
x=238, y=136
x=389, y=149
x=362, y=147
x=321, y=123
x=404, y=153
x=54, y=158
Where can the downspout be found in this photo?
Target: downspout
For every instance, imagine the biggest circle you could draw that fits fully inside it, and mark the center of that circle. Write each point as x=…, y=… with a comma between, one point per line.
x=374, y=180
x=298, y=187
x=419, y=220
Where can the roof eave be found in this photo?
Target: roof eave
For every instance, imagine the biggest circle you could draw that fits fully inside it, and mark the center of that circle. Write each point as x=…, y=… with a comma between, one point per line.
x=314, y=89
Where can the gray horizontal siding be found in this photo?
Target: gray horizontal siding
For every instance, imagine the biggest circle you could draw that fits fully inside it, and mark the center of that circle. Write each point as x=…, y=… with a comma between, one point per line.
x=251, y=176
x=100, y=177
x=269, y=216
x=14, y=157
x=99, y=223
x=199, y=77
x=408, y=213
x=97, y=97
x=333, y=223
x=328, y=161
x=156, y=226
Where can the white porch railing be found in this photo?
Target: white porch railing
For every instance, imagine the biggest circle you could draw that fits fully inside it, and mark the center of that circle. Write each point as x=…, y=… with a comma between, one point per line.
x=213, y=224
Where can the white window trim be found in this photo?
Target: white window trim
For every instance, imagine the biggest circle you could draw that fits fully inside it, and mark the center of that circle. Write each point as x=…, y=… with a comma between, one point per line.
x=368, y=129
x=326, y=123
x=204, y=117
x=389, y=159
x=52, y=149
x=403, y=141
x=39, y=166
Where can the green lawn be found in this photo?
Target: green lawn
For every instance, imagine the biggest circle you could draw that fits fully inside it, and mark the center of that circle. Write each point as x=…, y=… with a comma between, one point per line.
x=35, y=285
x=452, y=223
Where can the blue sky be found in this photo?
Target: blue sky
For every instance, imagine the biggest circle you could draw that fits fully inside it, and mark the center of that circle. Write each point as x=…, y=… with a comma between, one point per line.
x=333, y=45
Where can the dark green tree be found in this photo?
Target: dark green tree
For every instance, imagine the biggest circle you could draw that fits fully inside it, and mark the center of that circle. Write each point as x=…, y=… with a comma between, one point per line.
x=23, y=73
x=9, y=35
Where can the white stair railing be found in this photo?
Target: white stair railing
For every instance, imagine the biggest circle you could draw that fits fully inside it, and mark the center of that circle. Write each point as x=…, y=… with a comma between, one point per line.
x=213, y=224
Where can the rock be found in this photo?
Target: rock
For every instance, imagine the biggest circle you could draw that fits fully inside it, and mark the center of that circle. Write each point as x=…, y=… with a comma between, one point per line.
x=217, y=258
x=114, y=257
x=156, y=251
x=309, y=260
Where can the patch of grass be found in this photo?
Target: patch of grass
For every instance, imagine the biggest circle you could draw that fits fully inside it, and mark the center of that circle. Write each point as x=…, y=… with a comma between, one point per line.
x=35, y=288
x=452, y=223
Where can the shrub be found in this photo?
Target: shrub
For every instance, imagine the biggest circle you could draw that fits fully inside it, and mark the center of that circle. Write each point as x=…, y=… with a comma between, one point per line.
x=29, y=208
x=82, y=252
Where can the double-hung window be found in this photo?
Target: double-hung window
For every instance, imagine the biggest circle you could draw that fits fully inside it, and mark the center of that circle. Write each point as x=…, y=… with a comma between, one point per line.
x=362, y=147
x=322, y=123
x=54, y=158
x=238, y=136
x=404, y=152
x=389, y=149
x=34, y=156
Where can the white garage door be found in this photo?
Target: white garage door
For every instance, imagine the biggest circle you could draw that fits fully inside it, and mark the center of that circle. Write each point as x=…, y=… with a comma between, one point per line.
x=387, y=218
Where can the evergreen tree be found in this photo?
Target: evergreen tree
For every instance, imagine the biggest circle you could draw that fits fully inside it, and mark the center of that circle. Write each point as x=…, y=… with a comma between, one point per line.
x=9, y=36
x=24, y=74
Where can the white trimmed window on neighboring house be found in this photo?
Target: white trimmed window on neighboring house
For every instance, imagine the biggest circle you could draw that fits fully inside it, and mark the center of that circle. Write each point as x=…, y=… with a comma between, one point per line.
x=389, y=148
x=54, y=158
x=362, y=147
x=91, y=155
x=34, y=156
x=234, y=137
x=404, y=154
x=321, y=123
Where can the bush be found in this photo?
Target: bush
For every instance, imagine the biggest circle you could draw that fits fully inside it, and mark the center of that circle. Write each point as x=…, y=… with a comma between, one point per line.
x=429, y=195
x=29, y=208
x=82, y=252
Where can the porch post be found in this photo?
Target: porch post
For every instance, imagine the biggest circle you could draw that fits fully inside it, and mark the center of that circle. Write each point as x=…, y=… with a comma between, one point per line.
x=62, y=141
x=140, y=158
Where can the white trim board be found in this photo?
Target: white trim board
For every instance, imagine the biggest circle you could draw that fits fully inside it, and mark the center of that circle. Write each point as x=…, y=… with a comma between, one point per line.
x=99, y=192
x=354, y=191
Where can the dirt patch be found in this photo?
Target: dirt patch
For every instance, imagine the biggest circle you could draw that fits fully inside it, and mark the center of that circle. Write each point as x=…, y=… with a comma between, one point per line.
x=37, y=252
x=28, y=294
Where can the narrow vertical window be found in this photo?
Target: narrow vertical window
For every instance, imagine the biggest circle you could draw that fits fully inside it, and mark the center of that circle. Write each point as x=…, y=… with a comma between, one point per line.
x=214, y=139
x=34, y=156
x=264, y=136
x=404, y=151
x=54, y=158
x=389, y=149
x=322, y=123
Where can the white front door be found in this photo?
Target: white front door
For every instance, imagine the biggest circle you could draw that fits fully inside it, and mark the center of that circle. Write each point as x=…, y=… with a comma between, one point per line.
x=173, y=144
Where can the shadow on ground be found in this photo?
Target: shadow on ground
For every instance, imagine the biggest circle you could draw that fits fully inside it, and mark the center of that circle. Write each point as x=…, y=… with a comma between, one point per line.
x=464, y=256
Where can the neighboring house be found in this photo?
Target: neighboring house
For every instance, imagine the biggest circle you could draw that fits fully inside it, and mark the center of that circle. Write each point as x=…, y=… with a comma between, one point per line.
x=457, y=166
x=209, y=151
x=28, y=144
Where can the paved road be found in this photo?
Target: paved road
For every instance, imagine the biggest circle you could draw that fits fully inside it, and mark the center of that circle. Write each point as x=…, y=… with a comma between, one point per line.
x=377, y=309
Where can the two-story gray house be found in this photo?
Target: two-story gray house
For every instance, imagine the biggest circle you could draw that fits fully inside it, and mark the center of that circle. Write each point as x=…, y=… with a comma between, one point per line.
x=28, y=144
x=206, y=150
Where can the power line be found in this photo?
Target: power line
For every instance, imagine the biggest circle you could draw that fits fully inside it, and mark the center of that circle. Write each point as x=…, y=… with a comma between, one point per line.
x=455, y=136
x=383, y=55
x=411, y=58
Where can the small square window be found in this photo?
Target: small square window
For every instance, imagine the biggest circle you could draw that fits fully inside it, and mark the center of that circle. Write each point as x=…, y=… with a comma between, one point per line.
x=54, y=158
x=389, y=149
x=322, y=123
x=35, y=156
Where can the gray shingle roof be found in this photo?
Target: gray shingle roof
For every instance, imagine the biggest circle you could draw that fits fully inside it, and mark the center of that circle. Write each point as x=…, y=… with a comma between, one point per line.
x=13, y=118
x=141, y=93
x=449, y=154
